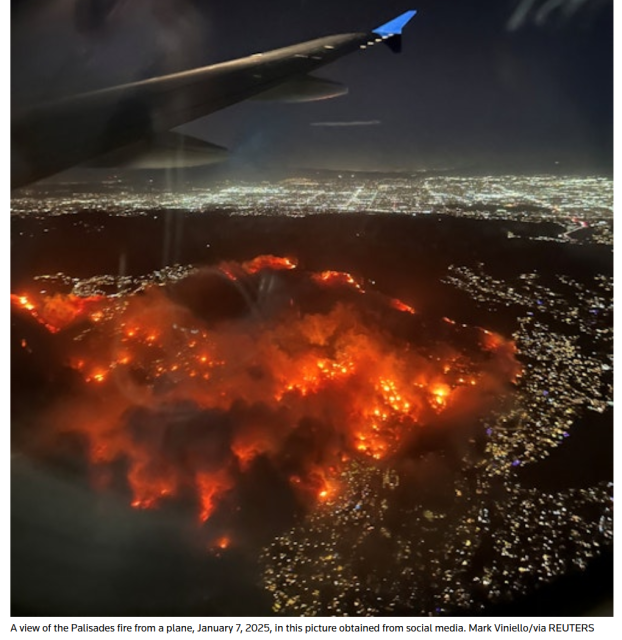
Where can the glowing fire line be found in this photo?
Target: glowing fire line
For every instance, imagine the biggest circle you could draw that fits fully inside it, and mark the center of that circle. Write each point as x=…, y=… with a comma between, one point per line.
x=333, y=368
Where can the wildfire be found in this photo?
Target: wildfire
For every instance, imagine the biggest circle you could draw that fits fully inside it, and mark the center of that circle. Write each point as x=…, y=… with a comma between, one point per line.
x=235, y=270
x=222, y=543
x=23, y=301
x=188, y=406
x=275, y=263
x=210, y=487
x=441, y=394
x=338, y=278
x=402, y=306
x=58, y=311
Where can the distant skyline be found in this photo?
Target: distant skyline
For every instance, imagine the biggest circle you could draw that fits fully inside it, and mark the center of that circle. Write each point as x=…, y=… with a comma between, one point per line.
x=484, y=85
x=242, y=358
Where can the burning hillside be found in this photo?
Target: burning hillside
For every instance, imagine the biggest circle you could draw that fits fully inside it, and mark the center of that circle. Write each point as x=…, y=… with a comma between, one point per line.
x=179, y=389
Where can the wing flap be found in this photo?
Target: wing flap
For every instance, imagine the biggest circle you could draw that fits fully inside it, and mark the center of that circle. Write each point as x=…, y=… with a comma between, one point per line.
x=51, y=137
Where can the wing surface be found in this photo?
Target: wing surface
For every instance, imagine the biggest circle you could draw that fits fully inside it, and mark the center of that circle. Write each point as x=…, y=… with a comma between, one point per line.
x=51, y=137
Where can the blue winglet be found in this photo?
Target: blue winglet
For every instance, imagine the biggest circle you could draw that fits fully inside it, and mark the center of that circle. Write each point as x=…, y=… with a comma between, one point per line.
x=395, y=26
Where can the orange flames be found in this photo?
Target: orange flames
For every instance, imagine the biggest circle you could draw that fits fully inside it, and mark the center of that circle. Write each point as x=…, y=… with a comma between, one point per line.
x=222, y=543
x=189, y=405
x=233, y=270
x=401, y=306
x=57, y=311
x=268, y=262
x=338, y=277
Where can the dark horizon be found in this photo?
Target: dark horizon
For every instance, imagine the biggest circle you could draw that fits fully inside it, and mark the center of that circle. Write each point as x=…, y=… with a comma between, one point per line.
x=480, y=84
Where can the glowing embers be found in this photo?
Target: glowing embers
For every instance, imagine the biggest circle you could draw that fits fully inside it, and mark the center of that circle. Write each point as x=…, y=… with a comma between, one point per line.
x=328, y=490
x=235, y=270
x=338, y=278
x=440, y=393
x=58, y=311
x=402, y=306
x=186, y=406
x=149, y=488
x=315, y=374
x=210, y=486
x=98, y=375
x=23, y=301
x=222, y=543
x=275, y=263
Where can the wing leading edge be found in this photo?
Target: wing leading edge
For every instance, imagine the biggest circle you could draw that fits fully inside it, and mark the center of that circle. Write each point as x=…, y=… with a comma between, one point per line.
x=51, y=137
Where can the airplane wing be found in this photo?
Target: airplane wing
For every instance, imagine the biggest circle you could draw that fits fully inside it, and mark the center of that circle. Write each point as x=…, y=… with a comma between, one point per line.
x=128, y=120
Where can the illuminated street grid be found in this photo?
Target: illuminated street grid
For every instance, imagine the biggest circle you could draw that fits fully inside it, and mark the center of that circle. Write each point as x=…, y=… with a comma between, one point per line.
x=497, y=538
x=368, y=549
x=354, y=556
x=576, y=203
x=561, y=379
x=110, y=285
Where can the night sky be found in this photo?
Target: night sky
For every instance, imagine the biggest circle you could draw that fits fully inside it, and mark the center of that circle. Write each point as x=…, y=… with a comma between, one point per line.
x=481, y=85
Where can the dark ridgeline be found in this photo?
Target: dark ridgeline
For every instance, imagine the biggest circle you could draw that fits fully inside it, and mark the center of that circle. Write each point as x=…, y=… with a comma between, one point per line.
x=405, y=256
